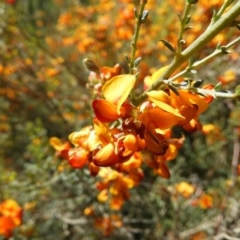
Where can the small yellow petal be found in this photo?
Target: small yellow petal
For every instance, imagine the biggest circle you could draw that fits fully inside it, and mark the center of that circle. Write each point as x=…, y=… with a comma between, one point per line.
x=161, y=100
x=117, y=89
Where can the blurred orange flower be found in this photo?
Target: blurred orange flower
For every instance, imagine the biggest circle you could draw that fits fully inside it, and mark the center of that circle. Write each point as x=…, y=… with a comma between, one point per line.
x=204, y=201
x=212, y=132
x=228, y=77
x=185, y=189
x=106, y=224
x=10, y=217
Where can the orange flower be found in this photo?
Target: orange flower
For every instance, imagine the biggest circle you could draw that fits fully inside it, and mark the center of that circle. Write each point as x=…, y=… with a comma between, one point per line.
x=78, y=157
x=185, y=189
x=193, y=126
x=228, y=77
x=186, y=99
x=6, y=226
x=81, y=138
x=106, y=156
x=62, y=148
x=162, y=169
x=10, y=217
x=88, y=211
x=159, y=165
x=93, y=169
x=156, y=143
x=127, y=145
x=208, y=98
x=107, y=224
x=212, y=132
x=189, y=112
x=106, y=111
x=107, y=73
x=157, y=118
x=204, y=201
x=115, y=185
x=104, y=224
x=132, y=164
x=12, y=209
x=114, y=146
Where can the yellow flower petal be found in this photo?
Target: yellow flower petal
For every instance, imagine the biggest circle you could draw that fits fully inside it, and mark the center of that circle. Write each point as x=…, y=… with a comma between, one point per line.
x=158, y=73
x=157, y=118
x=148, y=81
x=78, y=138
x=106, y=156
x=57, y=144
x=161, y=100
x=118, y=88
x=185, y=189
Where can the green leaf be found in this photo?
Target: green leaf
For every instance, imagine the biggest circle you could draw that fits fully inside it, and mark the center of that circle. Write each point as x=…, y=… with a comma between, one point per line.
x=137, y=61
x=91, y=65
x=218, y=87
x=168, y=45
x=198, y=83
x=173, y=89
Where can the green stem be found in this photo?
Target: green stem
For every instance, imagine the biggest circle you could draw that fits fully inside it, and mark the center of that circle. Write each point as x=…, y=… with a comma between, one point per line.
x=222, y=9
x=214, y=93
x=205, y=38
x=199, y=63
x=224, y=22
x=183, y=25
x=135, y=38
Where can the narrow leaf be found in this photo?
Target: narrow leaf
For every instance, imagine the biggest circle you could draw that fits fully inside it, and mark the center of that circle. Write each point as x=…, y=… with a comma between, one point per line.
x=137, y=61
x=174, y=89
x=127, y=58
x=218, y=87
x=198, y=83
x=179, y=16
x=168, y=45
x=91, y=65
x=188, y=19
x=187, y=28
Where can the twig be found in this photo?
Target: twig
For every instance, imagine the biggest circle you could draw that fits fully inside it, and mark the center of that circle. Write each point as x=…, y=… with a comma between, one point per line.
x=210, y=224
x=185, y=19
x=199, y=63
x=72, y=221
x=222, y=23
x=139, y=21
x=235, y=157
x=224, y=236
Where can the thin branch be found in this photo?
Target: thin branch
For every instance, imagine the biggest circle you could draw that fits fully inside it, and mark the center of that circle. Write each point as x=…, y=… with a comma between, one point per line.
x=197, y=64
x=224, y=22
x=224, y=236
x=184, y=20
x=210, y=224
x=139, y=22
x=236, y=154
x=72, y=221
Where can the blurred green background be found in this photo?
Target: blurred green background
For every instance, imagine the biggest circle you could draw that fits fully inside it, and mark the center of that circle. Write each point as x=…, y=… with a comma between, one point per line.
x=43, y=94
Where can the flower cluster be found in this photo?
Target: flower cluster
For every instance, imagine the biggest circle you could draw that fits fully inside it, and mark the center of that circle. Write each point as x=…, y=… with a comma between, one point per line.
x=121, y=129
x=124, y=136
x=132, y=127
x=10, y=217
